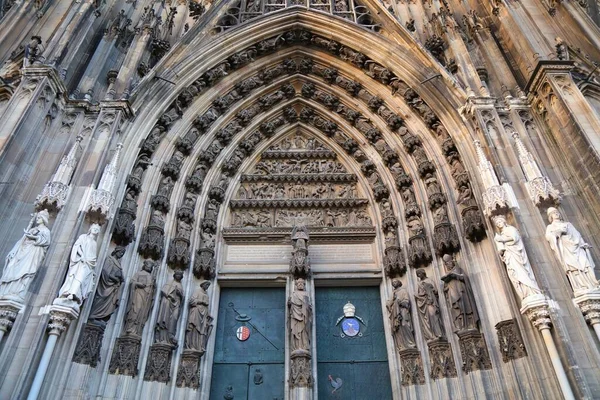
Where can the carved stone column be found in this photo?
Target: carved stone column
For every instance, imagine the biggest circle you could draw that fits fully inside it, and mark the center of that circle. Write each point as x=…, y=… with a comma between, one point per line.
x=60, y=318
x=537, y=310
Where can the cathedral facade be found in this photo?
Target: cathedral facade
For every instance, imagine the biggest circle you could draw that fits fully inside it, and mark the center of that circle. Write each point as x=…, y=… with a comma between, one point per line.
x=299, y=199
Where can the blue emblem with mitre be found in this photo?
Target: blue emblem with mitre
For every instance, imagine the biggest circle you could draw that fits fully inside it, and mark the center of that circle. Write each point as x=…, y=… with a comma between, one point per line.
x=350, y=327
x=350, y=322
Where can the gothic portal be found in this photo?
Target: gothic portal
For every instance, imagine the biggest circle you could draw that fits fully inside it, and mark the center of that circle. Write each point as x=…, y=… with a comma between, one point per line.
x=299, y=199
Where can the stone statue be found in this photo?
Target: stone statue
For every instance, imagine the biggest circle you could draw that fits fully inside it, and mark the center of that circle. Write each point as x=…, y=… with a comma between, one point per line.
x=199, y=322
x=80, y=278
x=23, y=261
x=300, y=317
x=141, y=296
x=398, y=308
x=171, y=297
x=512, y=252
x=459, y=295
x=572, y=252
x=107, y=295
x=300, y=262
x=429, y=308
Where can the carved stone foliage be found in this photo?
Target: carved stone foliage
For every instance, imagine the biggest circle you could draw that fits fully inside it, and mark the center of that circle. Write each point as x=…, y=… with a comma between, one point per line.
x=89, y=345
x=510, y=340
x=125, y=357
x=158, y=366
x=412, y=367
x=442, y=360
x=473, y=351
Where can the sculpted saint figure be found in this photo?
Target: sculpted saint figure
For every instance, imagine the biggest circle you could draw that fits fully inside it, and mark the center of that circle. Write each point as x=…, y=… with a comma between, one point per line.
x=301, y=317
x=106, y=299
x=171, y=296
x=23, y=261
x=512, y=252
x=199, y=322
x=141, y=295
x=398, y=308
x=429, y=308
x=459, y=295
x=80, y=278
x=572, y=252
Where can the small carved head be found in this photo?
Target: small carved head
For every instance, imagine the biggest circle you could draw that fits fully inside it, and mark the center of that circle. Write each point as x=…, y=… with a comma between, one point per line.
x=300, y=284
x=94, y=229
x=178, y=275
x=500, y=221
x=148, y=266
x=205, y=285
x=118, y=252
x=448, y=262
x=396, y=283
x=553, y=215
x=42, y=218
x=421, y=274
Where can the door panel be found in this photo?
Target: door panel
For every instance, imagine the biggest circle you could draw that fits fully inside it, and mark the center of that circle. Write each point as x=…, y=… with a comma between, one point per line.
x=236, y=362
x=359, y=361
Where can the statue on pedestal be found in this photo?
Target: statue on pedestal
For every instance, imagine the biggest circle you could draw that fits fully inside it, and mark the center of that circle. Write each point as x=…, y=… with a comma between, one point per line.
x=80, y=278
x=23, y=261
x=171, y=297
x=429, y=308
x=400, y=317
x=572, y=252
x=300, y=317
x=512, y=252
x=199, y=321
x=141, y=296
x=107, y=295
x=460, y=298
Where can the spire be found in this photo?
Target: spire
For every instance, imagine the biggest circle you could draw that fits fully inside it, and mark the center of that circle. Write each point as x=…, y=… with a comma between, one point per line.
x=495, y=197
x=55, y=192
x=102, y=198
x=539, y=187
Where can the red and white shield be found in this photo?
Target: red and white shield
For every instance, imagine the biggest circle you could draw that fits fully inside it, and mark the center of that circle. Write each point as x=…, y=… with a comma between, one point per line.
x=242, y=333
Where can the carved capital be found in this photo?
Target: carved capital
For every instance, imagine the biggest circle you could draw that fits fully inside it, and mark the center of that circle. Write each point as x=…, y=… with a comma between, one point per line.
x=412, y=367
x=8, y=313
x=589, y=304
x=510, y=340
x=60, y=318
x=537, y=310
x=300, y=369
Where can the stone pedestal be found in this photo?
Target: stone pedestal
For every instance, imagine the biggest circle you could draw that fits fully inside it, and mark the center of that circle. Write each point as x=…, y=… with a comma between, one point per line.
x=9, y=309
x=187, y=374
x=158, y=366
x=89, y=345
x=589, y=304
x=412, y=367
x=510, y=340
x=300, y=369
x=125, y=357
x=473, y=351
x=442, y=361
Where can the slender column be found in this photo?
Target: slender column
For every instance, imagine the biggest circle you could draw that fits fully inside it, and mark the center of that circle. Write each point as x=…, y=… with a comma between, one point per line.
x=536, y=309
x=60, y=318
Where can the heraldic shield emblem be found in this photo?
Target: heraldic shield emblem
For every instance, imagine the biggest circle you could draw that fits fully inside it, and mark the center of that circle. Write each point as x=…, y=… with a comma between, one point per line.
x=242, y=333
x=350, y=322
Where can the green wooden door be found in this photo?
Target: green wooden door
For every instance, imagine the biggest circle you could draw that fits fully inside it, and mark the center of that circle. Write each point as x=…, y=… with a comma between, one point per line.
x=252, y=368
x=357, y=360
